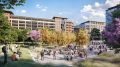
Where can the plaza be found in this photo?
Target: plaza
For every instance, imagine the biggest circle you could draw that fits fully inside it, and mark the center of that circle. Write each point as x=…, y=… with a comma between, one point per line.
x=59, y=33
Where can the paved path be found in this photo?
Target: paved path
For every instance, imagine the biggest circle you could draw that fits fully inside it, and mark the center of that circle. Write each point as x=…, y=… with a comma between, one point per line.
x=59, y=60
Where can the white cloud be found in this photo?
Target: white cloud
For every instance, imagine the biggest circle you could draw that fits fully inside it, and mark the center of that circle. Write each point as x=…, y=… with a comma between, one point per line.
x=37, y=5
x=85, y=18
x=111, y=3
x=87, y=8
x=97, y=11
x=44, y=9
x=41, y=7
x=97, y=4
x=23, y=11
x=93, y=11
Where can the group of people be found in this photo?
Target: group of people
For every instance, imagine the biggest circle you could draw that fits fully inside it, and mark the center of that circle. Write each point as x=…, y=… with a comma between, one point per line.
x=67, y=53
x=98, y=49
x=15, y=56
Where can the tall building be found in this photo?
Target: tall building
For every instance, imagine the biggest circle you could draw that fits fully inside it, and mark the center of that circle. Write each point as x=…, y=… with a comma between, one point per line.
x=89, y=25
x=109, y=13
x=24, y=22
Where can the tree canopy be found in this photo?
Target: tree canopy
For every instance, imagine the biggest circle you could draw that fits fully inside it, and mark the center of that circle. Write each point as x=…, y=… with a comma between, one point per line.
x=9, y=4
x=7, y=33
x=82, y=38
x=112, y=31
x=95, y=34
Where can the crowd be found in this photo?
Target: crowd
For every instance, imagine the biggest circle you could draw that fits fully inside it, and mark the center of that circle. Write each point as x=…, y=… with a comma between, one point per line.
x=98, y=49
x=69, y=53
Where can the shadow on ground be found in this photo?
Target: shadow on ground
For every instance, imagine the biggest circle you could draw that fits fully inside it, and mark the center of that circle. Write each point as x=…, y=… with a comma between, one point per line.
x=27, y=63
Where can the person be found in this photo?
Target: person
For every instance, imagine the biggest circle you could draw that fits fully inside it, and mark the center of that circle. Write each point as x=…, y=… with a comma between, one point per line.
x=42, y=54
x=18, y=52
x=49, y=52
x=4, y=50
x=15, y=56
x=85, y=53
x=54, y=54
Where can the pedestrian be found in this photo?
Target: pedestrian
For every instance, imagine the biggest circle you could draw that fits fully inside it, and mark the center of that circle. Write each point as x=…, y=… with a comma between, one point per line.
x=4, y=50
x=54, y=54
x=85, y=53
x=42, y=54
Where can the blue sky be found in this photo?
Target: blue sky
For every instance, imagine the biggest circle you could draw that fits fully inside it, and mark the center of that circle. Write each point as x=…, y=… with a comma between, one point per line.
x=76, y=10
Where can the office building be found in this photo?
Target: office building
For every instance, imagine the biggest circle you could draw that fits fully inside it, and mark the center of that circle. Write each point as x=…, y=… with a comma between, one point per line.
x=89, y=25
x=24, y=22
x=109, y=13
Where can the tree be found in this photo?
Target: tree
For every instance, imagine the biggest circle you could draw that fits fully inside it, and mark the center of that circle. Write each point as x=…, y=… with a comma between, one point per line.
x=111, y=33
x=59, y=38
x=45, y=35
x=82, y=38
x=51, y=37
x=34, y=36
x=8, y=4
x=95, y=34
x=7, y=33
x=22, y=35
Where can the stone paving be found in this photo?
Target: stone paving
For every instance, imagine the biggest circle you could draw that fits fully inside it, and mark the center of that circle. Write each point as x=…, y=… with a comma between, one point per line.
x=59, y=60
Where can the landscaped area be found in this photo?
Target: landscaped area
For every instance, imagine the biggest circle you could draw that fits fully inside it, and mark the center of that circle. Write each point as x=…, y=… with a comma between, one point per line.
x=107, y=59
x=27, y=41
x=104, y=60
x=25, y=60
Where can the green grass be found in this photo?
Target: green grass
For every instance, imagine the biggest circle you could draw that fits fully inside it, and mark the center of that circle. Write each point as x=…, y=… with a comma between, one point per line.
x=25, y=56
x=26, y=61
x=107, y=59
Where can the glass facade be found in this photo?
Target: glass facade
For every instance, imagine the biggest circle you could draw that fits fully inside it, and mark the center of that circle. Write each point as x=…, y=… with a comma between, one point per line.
x=109, y=13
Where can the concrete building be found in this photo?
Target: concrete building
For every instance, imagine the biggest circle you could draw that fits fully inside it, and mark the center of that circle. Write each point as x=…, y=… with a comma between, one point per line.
x=89, y=25
x=24, y=22
x=109, y=13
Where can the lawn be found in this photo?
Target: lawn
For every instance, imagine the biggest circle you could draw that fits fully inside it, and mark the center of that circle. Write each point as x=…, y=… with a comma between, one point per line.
x=26, y=61
x=106, y=59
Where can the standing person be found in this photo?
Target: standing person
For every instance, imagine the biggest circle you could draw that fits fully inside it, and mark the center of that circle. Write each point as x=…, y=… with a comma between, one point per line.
x=85, y=53
x=42, y=54
x=4, y=50
x=54, y=54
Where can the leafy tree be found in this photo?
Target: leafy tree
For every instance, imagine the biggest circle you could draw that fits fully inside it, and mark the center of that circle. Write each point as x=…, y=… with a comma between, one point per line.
x=51, y=37
x=65, y=38
x=82, y=38
x=59, y=38
x=112, y=31
x=8, y=4
x=45, y=36
x=7, y=33
x=95, y=34
x=22, y=35
x=33, y=37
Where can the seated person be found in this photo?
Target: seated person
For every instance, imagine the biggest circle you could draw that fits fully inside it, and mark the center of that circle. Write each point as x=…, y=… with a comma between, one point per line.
x=15, y=57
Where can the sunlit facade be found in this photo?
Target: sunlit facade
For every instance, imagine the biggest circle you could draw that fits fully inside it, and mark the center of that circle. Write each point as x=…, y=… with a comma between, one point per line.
x=89, y=25
x=24, y=22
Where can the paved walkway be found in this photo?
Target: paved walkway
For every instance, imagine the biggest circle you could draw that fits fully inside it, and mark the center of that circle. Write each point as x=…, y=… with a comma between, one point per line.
x=59, y=60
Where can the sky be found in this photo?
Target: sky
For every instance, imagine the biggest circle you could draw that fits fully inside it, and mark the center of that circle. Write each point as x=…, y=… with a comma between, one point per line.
x=77, y=11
